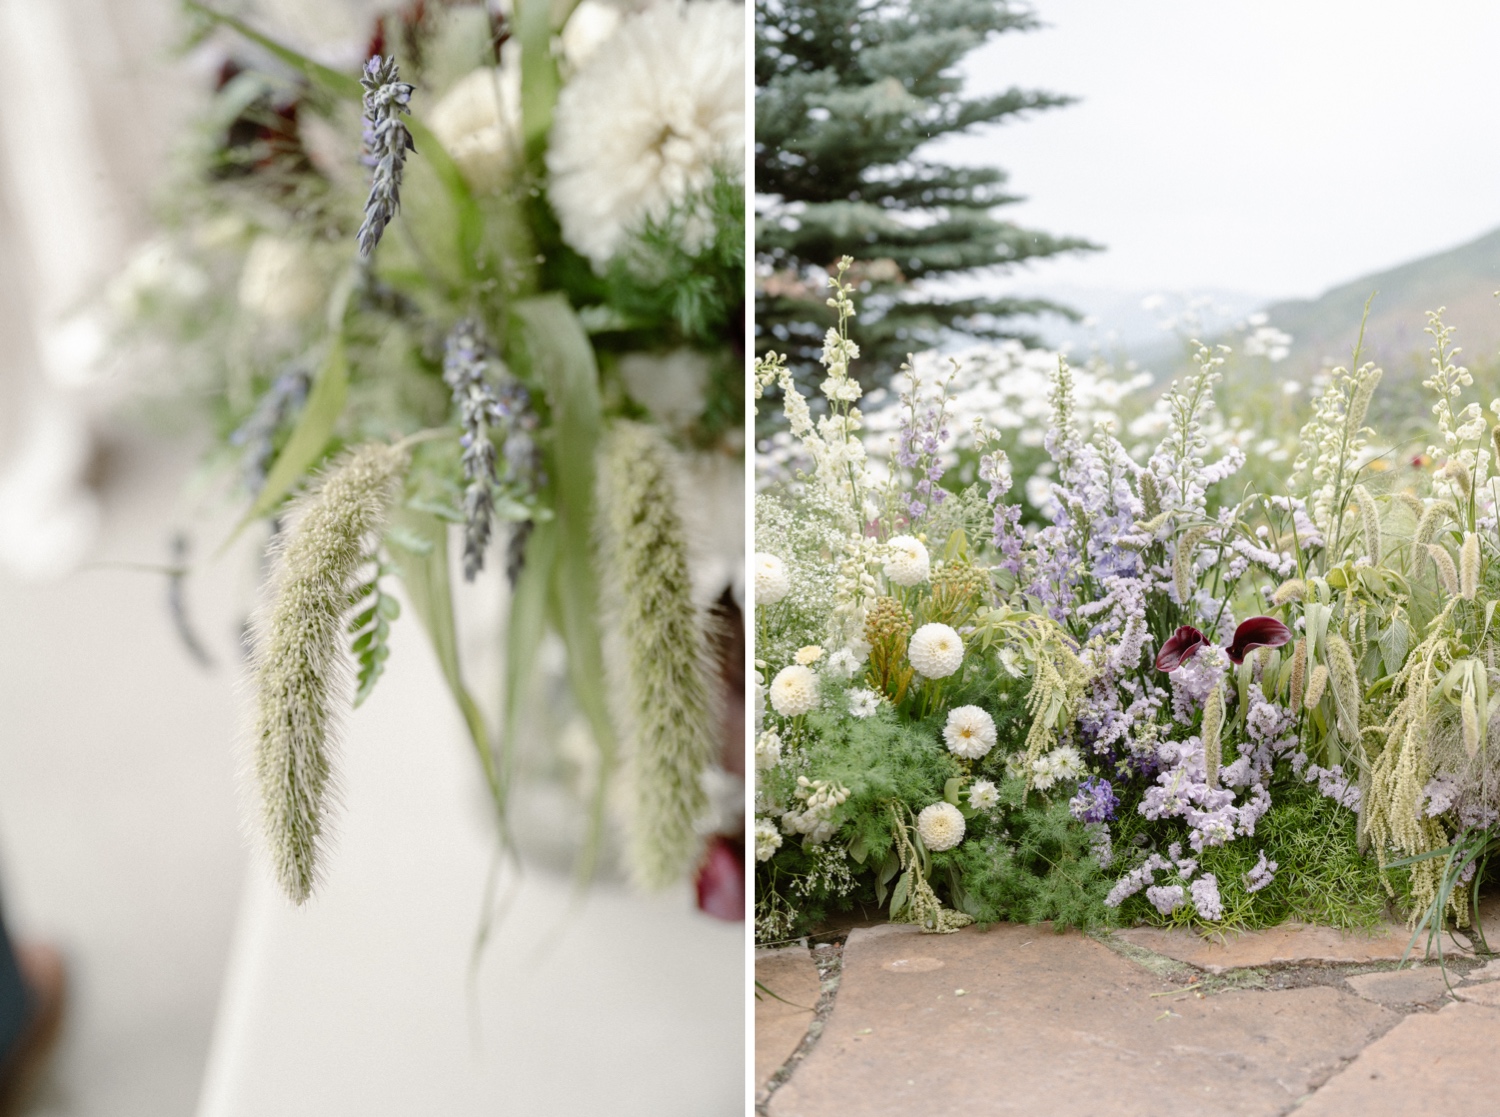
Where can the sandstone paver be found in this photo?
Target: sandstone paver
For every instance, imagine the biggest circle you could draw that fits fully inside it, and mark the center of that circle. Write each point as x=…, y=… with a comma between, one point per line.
x=1401, y=987
x=1483, y=993
x=779, y=1027
x=1290, y=942
x=1438, y=1062
x=1021, y=1020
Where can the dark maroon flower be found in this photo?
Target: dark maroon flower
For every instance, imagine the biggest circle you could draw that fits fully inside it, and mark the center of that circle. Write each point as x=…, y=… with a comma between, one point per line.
x=1179, y=648
x=1258, y=632
x=721, y=880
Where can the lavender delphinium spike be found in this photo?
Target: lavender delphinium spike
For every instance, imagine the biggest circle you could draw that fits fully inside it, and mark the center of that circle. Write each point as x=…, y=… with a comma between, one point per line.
x=386, y=143
x=282, y=400
x=503, y=406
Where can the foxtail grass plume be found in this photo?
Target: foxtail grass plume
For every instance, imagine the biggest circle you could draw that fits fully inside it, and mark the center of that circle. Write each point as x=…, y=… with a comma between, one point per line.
x=1213, y=725
x=1468, y=567
x=1369, y=516
x=1317, y=682
x=1447, y=573
x=386, y=143
x=658, y=653
x=301, y=667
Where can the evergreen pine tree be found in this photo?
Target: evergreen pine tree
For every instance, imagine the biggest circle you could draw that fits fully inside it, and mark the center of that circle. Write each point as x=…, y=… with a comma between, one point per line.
x=847, y=92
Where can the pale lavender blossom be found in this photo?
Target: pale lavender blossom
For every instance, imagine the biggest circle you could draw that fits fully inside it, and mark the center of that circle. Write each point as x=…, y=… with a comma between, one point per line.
x=387, y=141
x=1166, y=898
x=1261, y=874
x=1206, y=898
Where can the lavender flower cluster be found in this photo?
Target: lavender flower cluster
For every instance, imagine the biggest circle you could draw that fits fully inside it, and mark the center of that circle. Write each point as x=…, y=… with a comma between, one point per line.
x=486, y=404
x=387, y=141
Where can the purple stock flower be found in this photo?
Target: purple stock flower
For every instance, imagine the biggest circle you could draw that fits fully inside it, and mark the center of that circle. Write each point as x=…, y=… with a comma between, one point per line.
x=1096, y=801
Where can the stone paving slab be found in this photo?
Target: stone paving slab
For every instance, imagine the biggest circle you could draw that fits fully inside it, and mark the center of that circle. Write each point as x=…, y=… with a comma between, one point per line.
x=1401, y=987
x=1021, y=1020
x=779, y=1027
x=1290, y=942
x=1438, y=1063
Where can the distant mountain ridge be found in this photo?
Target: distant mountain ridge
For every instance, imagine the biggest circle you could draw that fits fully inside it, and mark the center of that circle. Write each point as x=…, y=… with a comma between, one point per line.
x=1462, y=279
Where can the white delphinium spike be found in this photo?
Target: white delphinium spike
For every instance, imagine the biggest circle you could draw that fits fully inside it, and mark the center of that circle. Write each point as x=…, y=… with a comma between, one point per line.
x=658, y=653
x=300, y=661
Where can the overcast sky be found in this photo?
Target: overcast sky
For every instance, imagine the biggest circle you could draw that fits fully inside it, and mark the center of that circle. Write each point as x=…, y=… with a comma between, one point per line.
x=1274, y=147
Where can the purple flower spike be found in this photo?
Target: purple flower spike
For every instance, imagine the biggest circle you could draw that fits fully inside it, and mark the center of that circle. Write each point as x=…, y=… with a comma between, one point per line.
x=1181, y=647
x=1257, y=632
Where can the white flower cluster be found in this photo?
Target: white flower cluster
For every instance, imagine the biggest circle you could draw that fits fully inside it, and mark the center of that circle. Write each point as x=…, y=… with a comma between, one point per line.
x=941, y=826
x=1062, y=763
x=767, y=750
x=970, y=732
x=794, y=691
x=935, y=651
x=815, y=819
x=767, y=839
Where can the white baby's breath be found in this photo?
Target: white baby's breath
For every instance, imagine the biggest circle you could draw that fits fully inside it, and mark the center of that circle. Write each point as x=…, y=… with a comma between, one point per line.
x=941, y=826
x=936, y=651
x=645, y=124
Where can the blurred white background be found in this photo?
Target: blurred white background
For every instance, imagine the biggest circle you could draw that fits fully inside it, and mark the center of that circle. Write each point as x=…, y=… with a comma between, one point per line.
x=195, y=987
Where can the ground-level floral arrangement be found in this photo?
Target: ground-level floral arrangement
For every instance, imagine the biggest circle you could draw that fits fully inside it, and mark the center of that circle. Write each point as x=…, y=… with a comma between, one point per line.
x=1179, y=700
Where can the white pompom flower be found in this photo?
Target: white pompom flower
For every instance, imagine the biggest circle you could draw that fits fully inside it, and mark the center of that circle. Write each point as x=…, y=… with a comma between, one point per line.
x=772, y=582
x=941, y=826
x=647, y=122
x=970, y=732
x=794, y=691
x=936, y=651
x=908, y=564
x=983, y=795
x=478, y=122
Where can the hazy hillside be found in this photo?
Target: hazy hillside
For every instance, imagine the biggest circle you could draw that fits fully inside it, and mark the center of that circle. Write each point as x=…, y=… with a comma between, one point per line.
x=1463, y=279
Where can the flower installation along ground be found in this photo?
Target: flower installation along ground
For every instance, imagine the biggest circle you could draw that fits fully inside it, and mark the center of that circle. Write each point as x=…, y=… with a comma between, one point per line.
x=1155, y=693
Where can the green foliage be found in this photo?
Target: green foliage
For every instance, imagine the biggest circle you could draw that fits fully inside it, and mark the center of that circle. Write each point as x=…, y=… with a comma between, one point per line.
x=848, y=92
x=370, y=627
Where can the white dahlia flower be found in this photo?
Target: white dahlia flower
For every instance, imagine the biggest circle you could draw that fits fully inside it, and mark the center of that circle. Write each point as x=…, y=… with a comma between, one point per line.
x=941, y=826
x=970, y=732
x=478, y=122
x=935, y=650
x=908, y=564
x=983, y=795
x=588, y=28
x=794, y=691
x=644, y=124
x=772, y=582
x=809, y=655
x=767, y=839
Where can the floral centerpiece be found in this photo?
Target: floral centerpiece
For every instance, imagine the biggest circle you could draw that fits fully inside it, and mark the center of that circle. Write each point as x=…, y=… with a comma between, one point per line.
x=485, y=294
x=1176, y=701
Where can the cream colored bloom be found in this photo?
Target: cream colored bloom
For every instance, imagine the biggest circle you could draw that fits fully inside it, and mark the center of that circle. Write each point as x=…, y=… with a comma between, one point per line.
x=983, y=795
x=908, y=564
x=767, y=839
x=772, y=582
x=768, y=750
x=941, y=826
x=794, y=691
x=809, y=655
x=281, y=280
x=970, y=732
x=478, y=122
x=936, y=651
x=645, y=124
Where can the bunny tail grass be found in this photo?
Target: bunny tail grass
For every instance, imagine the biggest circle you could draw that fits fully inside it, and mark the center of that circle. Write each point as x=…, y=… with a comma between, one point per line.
x=302, y=674
x=658, y=654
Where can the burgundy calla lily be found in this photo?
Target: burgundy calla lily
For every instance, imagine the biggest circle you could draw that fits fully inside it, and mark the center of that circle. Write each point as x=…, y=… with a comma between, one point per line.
x=721, y=880
x=1258, y=632
x=1179, y=648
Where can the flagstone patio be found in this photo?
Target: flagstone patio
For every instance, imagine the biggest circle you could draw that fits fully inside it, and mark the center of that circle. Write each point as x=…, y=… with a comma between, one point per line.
x=1017, y=1019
